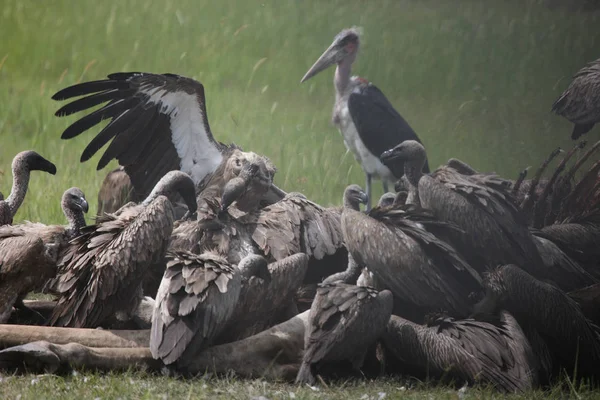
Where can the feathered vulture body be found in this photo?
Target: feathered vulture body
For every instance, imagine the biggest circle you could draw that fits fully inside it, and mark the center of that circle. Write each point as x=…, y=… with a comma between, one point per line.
x=400, y=248
x=197, y=297
x=25, y=264
x=105, y=266
x=580, y=102
x=54, y=237
x=115, y=192
x=465, y=351
x=550, y=314
x=22, y=165
x=366, y=119
x=495, y=231
x=158, y=123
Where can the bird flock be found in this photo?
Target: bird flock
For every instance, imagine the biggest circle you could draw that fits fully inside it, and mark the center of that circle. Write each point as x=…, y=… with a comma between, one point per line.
x=460, y=276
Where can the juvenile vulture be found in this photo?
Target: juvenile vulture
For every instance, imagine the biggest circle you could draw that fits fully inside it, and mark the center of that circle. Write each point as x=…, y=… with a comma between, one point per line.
x=465, y=351
x=495, y=231
x=368, y=122
x=22, y=165
x=56, y=237
x=557, y=319
x=580, y=102
x=158, y=123
x=344, y=321
x=115, y=191
x=104, y=266
x=25, y=264
x=403, y=249
x=196, y=298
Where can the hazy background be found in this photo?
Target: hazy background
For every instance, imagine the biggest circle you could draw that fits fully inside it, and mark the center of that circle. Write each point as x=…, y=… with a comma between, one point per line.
x=475, y=79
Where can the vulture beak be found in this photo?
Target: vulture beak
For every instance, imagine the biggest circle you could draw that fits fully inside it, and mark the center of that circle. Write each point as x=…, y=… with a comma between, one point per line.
x=332, y=55
x=84, y=205
x=363, y=197
x=390, y=155
x=38, y=163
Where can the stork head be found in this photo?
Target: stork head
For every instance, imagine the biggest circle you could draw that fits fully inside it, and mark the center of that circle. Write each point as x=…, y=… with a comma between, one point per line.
x=344, y=48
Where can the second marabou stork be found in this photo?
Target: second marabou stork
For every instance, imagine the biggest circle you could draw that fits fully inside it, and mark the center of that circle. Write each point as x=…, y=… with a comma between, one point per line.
x=366, y=119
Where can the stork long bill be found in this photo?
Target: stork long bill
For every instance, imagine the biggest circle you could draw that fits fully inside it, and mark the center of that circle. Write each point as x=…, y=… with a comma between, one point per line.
x=328, y=58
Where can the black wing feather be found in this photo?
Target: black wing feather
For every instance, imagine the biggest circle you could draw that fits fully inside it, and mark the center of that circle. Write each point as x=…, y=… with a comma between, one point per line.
x=379, y=125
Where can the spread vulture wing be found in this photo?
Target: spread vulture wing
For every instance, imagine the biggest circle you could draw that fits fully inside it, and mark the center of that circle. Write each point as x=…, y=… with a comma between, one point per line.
x=158, y=123
x=379, y=125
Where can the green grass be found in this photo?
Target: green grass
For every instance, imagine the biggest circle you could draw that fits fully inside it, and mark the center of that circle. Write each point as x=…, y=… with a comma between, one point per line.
x=475, y=79
x=139, y=385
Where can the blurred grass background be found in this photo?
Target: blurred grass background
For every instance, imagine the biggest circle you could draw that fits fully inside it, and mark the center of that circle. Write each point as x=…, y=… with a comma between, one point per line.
x=475, y=79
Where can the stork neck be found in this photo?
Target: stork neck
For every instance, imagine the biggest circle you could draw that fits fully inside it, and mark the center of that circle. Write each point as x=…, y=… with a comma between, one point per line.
x=20, y=183
x=342, y=76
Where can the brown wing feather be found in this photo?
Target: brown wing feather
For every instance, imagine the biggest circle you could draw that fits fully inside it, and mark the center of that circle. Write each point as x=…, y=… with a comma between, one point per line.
x=107, y=263
x=197, y=296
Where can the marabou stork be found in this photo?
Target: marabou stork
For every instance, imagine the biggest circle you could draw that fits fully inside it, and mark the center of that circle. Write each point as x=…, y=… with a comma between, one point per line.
x=366, y=119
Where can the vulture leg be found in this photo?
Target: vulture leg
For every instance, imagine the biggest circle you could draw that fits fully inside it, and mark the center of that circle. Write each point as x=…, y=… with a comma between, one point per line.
x=142, y=316
x=368, y=190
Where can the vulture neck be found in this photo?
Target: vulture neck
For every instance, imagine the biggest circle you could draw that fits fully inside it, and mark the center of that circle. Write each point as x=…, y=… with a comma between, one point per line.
x=349, y=276
x=20, y=182
x=413, y=170
x=76, y=220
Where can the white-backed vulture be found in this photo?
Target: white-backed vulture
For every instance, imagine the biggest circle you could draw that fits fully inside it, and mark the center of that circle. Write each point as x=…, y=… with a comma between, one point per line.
x=104, y=267
x=115, y=192
x=403, y=249
x=573, y=341
x=465, y=351
x=158, y=123
x=580, y=102
x=22, y=165
x=495, y=231
x=25, y=264
x=344, y=321
x=196, y=298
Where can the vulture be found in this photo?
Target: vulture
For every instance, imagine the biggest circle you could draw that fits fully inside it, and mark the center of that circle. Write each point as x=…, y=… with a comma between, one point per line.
x=404, y=249
x=368, y=122
x=26, y=262
x=22, y=165
x=343, y=322
x=115, y=191
x=105, y=265
x=494, y=352
x=196, y=298
x=54, y=238
x=495, y=231
x=549, y=313
x=580, y=102
x=158, y=123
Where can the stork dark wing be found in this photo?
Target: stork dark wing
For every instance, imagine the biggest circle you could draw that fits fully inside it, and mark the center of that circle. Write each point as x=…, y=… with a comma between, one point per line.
x=158, y=123
x=379, y=125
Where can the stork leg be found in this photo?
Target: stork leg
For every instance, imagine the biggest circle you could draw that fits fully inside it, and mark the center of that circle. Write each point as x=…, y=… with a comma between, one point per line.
x=385, y=186
x=368, y=190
